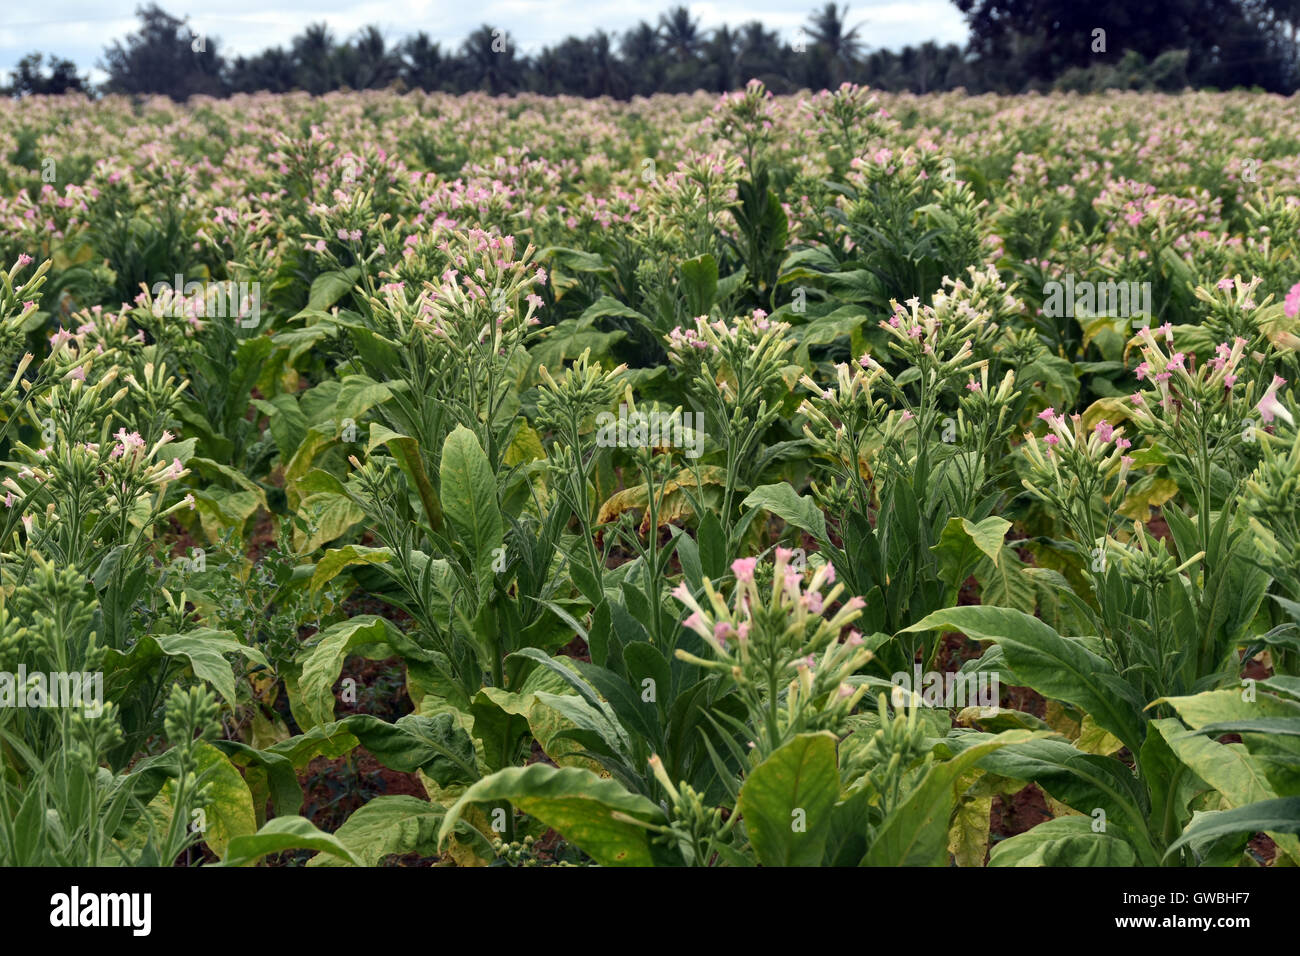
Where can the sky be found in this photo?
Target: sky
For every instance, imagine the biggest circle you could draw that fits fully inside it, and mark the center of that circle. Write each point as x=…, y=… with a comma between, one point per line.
x=80, y=29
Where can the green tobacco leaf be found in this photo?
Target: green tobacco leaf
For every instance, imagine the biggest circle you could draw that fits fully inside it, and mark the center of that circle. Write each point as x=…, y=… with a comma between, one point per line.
x=784, y=502
x=1231, y=770
x=1283, y=726
x=435, y=745
x=843, y=322
x=525, y=446
x=284, y=833
x=1217, y=706
x=327, y=740
x=713, y=546
x=568, y=339
x=1065, y=841
x=407, y=452
x=1283, y=686
x=1171, y=784
x=597, y=815
x=1053, y=665
x=500, y=730
x=915, y=833
x=385, y=826
x=1231, y=599
x=963, y=541
x=1082, y=781
x=1280, y=815
x=270, y=776
x=328, y=287
x=1092, y=739
x=575, y=260
x=313, y=702
x=237, y=478
x=1004, y=583
x=336, y=559
x=608, y=307
x=786, y=801
x=205, y=649
x=469, y=501
x=317, y=403
x=700, y=283
x=228, y=812
x=330, y=516
x=968, y=834
x=357, y=395
x=547, y=724
x=302, y=340
x=314, y=442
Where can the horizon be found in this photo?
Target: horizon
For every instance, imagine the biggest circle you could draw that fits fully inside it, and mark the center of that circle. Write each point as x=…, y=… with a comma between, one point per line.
x=246, y=27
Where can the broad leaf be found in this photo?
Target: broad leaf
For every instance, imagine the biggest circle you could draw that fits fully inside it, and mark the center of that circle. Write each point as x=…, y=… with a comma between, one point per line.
x=786, y=801
x=1053, y=665
x=600, y=817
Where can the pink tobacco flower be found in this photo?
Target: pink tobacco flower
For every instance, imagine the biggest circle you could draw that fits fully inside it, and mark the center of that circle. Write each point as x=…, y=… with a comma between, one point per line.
x=1269, y=407
x=1292, y=304
x=743, y=568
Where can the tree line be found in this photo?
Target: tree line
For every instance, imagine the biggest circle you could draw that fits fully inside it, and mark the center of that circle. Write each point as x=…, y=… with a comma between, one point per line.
x=1014, y=46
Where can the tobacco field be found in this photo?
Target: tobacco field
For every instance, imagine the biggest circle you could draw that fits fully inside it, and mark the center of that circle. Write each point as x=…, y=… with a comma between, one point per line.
x=830, y=479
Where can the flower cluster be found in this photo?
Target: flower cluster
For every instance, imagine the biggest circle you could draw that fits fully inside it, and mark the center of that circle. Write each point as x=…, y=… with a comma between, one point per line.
x=846, y=424
x=783, y=645
x=848, y=119
x=1207, y=412
x=1272, y=504
x=740, y=359
x=936, y=340
x=1075, y=470
x=481, y=305
x=746, y=117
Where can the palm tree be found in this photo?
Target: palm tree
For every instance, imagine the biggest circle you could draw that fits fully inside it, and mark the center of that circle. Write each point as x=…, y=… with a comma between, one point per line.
x=315, y=60
x=271, y=70
x=29, y=76
x=422, y=62
x=841, y=46
x=929, y=58
x=681, y=34
x=640, y=49
x=568, y=68
x=369, y=63
x=488, y=57
x=761, y=56
x=723, y=71
x=607, y=77
x=550, y=71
